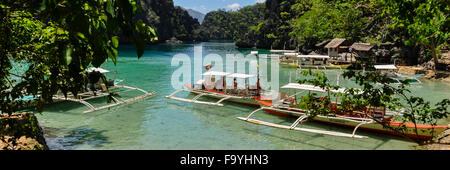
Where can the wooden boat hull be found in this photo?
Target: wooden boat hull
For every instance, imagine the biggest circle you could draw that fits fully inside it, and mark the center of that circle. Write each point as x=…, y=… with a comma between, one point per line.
x=425, y=132
x=341, y=65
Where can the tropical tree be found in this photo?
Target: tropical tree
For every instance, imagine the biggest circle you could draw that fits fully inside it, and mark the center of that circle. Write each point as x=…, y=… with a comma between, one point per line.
x=55, y=41
x=425, y=20
x=376, y=90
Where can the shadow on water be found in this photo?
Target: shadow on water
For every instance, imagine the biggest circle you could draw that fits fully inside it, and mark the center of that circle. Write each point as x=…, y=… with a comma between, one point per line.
x=267, y=134
x=288, y=120
x=69, y=106
x=73, y=138
x=375, y=140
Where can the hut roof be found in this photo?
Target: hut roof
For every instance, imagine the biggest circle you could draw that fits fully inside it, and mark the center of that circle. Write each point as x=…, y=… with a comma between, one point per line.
x=362, y=46
x=335, y=43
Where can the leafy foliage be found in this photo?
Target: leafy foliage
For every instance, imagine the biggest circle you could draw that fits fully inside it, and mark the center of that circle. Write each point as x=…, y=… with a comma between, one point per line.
x=239, y=25
x=376, y=91
x=426, y=25
x=287, y=24
x=168, y=20
x=59, y=39
x=412, y=26
x=325, y=21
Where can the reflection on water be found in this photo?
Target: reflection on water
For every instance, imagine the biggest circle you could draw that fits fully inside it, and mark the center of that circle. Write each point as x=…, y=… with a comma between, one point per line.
x=157, y=123
x=75, y=137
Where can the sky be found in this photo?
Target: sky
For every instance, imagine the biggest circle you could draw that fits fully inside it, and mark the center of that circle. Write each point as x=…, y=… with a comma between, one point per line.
x=205, y=6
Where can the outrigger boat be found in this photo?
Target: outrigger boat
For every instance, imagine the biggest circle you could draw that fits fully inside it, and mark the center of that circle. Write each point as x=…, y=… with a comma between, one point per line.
x=218, y=89
x=270, y=56
x=312, y=62
x=279, y=54
x=363, y=119
x=391, y=72
x=103, y=90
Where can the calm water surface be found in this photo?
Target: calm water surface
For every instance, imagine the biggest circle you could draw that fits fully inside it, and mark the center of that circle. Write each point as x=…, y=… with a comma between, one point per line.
x=159, y=123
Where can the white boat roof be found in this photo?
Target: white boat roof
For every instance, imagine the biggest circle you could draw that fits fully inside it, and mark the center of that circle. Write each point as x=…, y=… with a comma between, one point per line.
x=281, y=51
x=385, y=67
x=313, y=56
x=239, y=75
x=92, y=69
x=215, y=73
x=274, y=55
x=290, y=54
x=200, y=81
x=303, y=87
x=310, y=88
x=254, y=52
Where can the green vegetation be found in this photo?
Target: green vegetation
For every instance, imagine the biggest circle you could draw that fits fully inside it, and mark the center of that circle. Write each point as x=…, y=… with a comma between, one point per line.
x=217, y=26
x=57, y=40
x=169, y=21
x=426, y=25
x=233, y=25
x=376, y=92
x=412, y=26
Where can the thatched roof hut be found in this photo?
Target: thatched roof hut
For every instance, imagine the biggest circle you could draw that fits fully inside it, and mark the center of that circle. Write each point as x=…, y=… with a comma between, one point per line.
x=362, y=47
x=336, y=46
x=335, y=43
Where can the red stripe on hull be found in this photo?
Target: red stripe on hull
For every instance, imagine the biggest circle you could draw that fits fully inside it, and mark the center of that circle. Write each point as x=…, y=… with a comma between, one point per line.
x=385, y=131
x=242, y=103
x=389, y=132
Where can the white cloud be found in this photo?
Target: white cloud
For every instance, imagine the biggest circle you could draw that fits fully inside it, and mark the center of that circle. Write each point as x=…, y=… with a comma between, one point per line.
x=234, y=6
x=260, y=1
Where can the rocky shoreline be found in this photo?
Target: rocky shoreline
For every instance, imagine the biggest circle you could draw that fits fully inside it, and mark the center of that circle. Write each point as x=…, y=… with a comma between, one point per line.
x=429, y=74
x=21, y=131
x=441, y=142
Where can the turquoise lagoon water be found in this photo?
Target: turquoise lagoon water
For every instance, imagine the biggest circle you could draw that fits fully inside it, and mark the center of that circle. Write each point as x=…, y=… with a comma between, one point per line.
x=159, y=123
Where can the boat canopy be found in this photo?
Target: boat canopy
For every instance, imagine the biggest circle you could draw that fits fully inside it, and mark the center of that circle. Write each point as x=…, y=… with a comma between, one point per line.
x=254, y=52
x=290, y=54
x=229, y=75
x=92, y=69
x=311, y=88
x=303, y=87
x=313, y=56
x=215, y=73
x=282, y=51
x=241, y=76
x=274, y=55
x=385, y=67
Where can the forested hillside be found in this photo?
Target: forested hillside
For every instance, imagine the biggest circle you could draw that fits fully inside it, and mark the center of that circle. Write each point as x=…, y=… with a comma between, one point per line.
x=239, y=26
x=288, y=23
x=413, y=28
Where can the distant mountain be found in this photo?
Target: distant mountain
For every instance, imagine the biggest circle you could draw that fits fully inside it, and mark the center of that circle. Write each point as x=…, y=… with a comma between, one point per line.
x=197, y=15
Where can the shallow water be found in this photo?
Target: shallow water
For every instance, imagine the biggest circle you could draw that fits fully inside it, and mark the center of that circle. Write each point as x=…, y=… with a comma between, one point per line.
x=159, y=123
